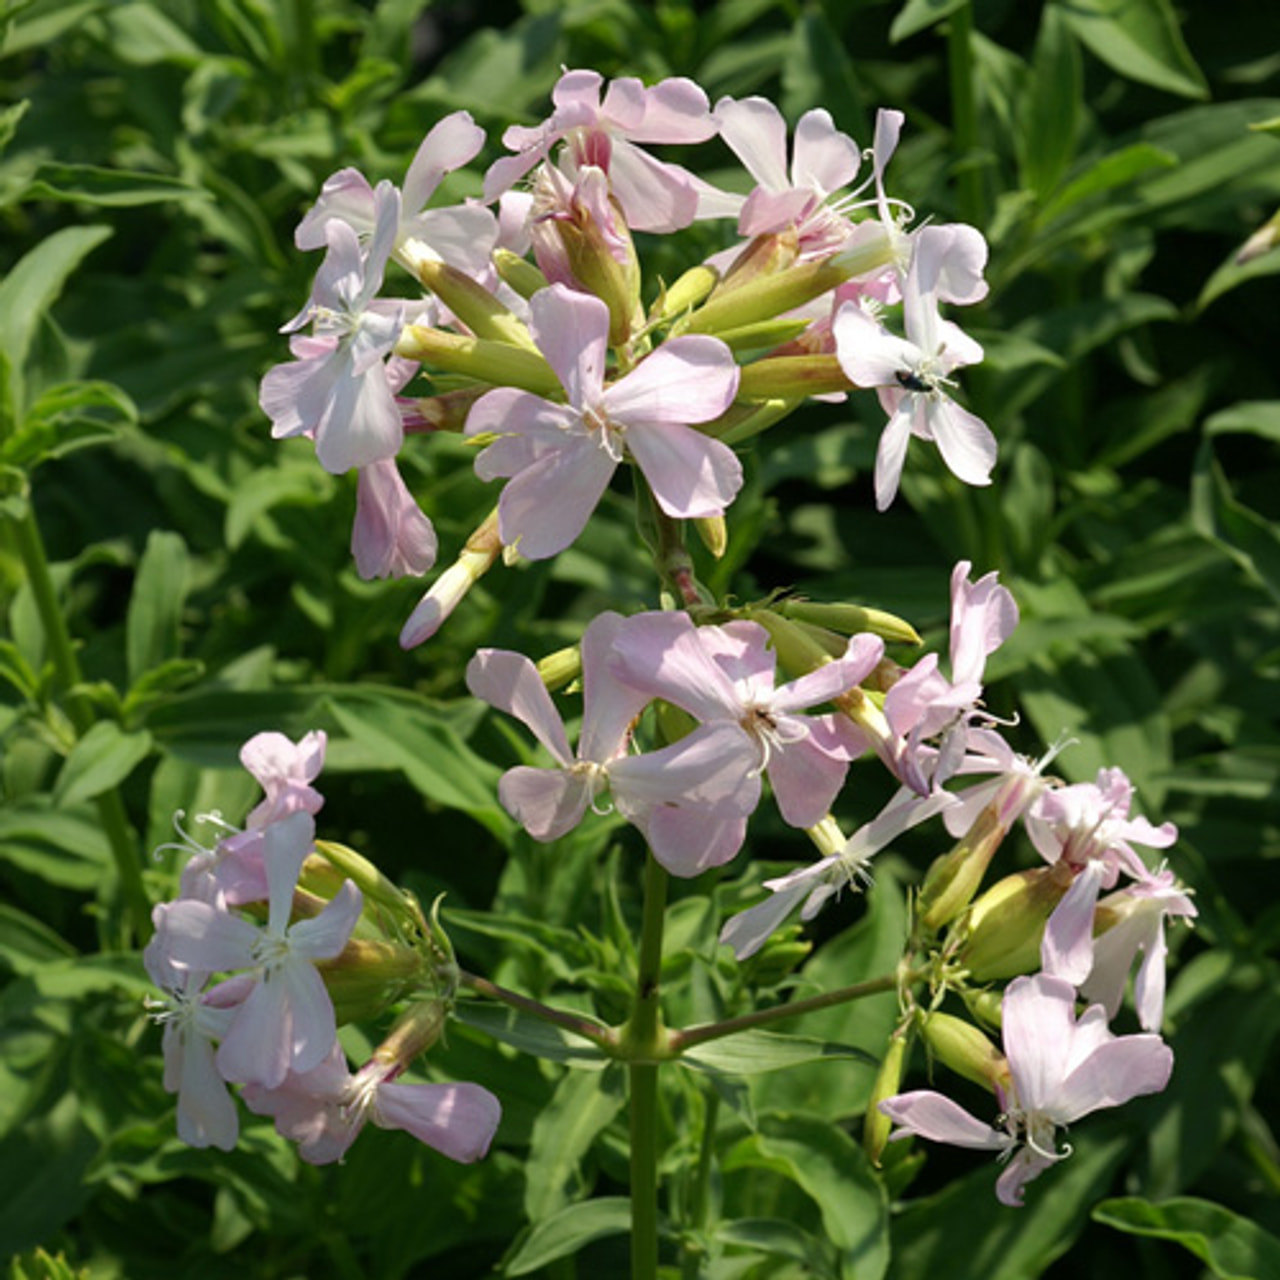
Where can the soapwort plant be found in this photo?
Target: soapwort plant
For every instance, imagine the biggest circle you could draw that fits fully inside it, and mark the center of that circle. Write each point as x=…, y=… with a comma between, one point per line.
x=525, y=323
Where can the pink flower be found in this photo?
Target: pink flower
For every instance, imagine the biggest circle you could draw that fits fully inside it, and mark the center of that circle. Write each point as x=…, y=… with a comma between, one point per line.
x=285, y=1021
x=816, y=884
x=930, y=716
x=910, y=373
x=1062, y=1068
x=1088, y=827
x=654, y=196
x=1133, y=921
x=823, y=161
x=324, y=1109
x=462, y=235
x=338, y=391
x=391, y=537
x=690, y=799
x=560, y=457
x=726, y=675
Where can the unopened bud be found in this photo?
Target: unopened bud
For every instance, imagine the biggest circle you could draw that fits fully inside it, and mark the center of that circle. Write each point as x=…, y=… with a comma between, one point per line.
x=798, y=653
x=418, y=1028
x=790, y=377
x=765, y=336
x=714, y=534
x=954, y=878
x=986, y=1005
x=876, y=1126
x=561, y=668
x=496, y=363
x=368, y=975
x=689, y=290
x=1006, y=924
x=375, y=886
x=518, y=272
x=850, y=619
x=445, y=412
x=766, y=255
x=478, y=556
x=473, y=304
x=961, y=1047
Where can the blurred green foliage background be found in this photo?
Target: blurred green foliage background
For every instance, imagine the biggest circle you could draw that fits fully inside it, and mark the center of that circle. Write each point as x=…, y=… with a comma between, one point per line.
x=154, y=160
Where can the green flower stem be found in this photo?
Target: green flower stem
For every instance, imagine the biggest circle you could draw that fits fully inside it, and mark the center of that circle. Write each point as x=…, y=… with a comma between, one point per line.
x=604, y=1037
x=692, y=1259
x=679, y=1041
x=111, y=812
x=964, y=116
x=644, y=1042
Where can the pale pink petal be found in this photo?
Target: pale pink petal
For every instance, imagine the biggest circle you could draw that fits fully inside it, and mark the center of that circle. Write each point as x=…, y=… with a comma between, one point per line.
x=323, y=937
x=311, y=1022
x=754, y=130
x=891, y=452
x=688, y=841
x=510, y=682
x=345, y=196
x=749, y=930
x=960, y=273
x=285, y=847
x=207, y=1114
x=823, y=157
x=1125, y=1068
x=453, y=142
x=544, y=508
x=1067, y=949
x=197, y=935
x=768, y=211
x=458, y=1120
x=1038, y=1028
x=257, y=1048
x=805, y=781
x=623, y=105
x=661, y=654
x=692, y=379
x=675, y=110
x=1025, y=1166
x=933, y=1116
x=691, y=475
x=572, y=331
x=547, y=803
x=859, y=659
x=869, y=354
x=654, y=196
x=608, y=705
x=463, y=236
x=964, y=440
x=391, y=537
x=359, y=422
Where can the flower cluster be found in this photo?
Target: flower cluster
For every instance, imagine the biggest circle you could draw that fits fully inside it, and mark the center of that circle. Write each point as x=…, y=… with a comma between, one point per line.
x=562, y=368
x=568, y=374
x=269, y=1024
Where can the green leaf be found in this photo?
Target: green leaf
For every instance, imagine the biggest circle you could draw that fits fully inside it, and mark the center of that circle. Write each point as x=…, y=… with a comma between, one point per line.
x=110, y=188
x=568, y=1231
x=1117, y=169
x=833, y=1171
x=102, y=759
x=531, y=1035
x=1249, y=538
x=584, y=1103
x=64, y=849
x=1140, y=40
x=819, y=73
x=777, y=1238
x=28, y=944
x=1049, y=119
x=1250, y=417
x=66, y=417
x=754, y=1051
x=142, y=34
x=17, y=671
x=1231, y=1246
x=269, y=487
x=37, y=25
x=155, y=607
x=917, y=15
x=31, y=288
x=433, y=757
x=10, y=118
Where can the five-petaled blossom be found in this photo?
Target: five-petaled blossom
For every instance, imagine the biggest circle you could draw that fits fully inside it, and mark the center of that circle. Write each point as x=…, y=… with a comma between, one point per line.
x=560, y=457
x=690, y=799
x=1061, y=1068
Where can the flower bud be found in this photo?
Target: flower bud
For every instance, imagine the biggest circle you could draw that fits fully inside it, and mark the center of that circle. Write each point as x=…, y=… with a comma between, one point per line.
x=418, y=1028
x=714, y=533
x=478, y=556
x=964, y=1049
x=562, y=668
x=798, y=653
x=689, y=290
x=519, y=273
x=850, y=619
x=1007, y=923
x=473, y=304
x=368, y=975
x=766, y=255
x=953, y=879
x=496, y=363
x=876, y=1126
x=766, y=335
x=445, y=412
x=790, y=377
x=376, y=888
x=986, y=1004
